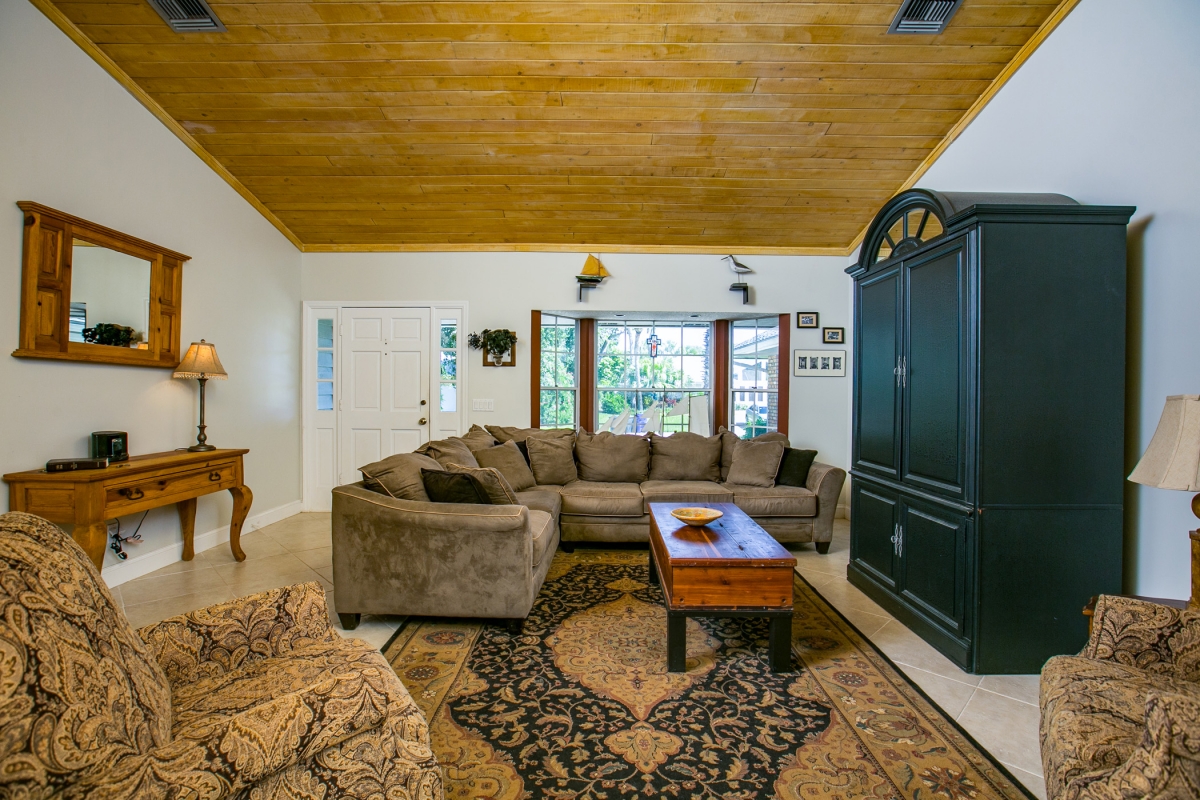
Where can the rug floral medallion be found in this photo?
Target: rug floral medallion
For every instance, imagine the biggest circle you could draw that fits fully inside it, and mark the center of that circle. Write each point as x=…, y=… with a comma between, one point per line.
x=580, y=705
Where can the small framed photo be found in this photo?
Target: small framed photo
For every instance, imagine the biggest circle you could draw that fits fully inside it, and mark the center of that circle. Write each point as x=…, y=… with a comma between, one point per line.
x=833, y=335
x=819, y=363
x=807, y=319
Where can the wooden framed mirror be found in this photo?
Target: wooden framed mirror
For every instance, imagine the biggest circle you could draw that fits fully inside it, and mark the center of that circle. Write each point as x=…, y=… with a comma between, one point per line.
x=89, y=293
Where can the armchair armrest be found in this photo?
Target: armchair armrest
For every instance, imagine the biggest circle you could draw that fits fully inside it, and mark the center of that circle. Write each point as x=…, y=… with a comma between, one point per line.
x=825, y=481
x=218, y=639
x=1145, y=636
x=1165, y=764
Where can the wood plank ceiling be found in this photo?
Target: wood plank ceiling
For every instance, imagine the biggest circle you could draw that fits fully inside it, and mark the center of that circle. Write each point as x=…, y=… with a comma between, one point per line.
x=715, y=126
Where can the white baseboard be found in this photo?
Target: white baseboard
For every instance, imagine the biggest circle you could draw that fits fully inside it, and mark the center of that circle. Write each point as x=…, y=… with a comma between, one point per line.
x=843, y=511
x=138, y=566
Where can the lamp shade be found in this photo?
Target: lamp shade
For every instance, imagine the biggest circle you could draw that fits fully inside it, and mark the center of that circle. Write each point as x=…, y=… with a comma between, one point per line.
x=1172, y=461
x=201, y=361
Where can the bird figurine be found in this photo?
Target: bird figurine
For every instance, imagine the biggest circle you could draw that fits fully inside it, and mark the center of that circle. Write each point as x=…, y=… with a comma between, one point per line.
x=737, y=266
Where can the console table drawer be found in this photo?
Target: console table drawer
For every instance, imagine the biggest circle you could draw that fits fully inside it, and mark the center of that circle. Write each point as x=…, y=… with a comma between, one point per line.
x=151, y=492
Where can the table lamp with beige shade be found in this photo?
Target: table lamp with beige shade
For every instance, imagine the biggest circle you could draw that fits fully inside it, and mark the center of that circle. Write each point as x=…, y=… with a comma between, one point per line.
x=1172, y=461
x=201, y=362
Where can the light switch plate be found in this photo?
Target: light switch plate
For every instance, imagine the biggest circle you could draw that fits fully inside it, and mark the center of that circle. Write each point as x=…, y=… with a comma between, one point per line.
x=483, y=405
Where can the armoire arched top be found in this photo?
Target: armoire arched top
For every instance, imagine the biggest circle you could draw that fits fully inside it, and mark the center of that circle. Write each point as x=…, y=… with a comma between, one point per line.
x=912, y=218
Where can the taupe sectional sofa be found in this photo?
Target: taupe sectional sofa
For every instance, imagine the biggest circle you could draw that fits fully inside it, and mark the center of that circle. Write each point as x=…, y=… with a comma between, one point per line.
x=397, y=552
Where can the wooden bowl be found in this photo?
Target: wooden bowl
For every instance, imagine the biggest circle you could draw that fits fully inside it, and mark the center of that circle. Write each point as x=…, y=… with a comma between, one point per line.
x=697, y=517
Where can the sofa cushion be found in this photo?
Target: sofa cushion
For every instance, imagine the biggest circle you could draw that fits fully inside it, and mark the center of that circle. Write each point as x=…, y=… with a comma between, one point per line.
x=755, y=463
x=453, y=487
x=1093, y=715
x=794, y=467
x=477, y=439
x=602, y=499
x=729, y=441
x=399, y=476
x=685, y=456
x=509, y=434
x=508, y=461
x=449, y=451
x=552, y=460
x=612, y=458
x=541, y=500
x=775, y=501
x=498, y=490
x=541, y=529
x=684, y=492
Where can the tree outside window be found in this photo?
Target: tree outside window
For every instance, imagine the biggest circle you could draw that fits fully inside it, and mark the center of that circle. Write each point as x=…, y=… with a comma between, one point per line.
x=629, y=378
x=559, y=384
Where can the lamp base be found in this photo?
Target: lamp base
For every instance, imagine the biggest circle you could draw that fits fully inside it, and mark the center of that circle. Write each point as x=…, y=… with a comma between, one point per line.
x=1194, y=602
x=200, y=448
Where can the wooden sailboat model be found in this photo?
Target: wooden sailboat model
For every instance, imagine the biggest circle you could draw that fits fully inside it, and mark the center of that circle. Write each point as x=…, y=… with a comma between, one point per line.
x=592, y=275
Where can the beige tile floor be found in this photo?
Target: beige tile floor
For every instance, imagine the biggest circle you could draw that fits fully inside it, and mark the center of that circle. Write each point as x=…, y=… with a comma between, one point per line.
x=1000, y=711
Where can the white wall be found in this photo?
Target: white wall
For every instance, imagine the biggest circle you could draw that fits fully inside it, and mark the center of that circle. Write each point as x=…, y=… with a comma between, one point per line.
x=73, y=139
x=502, y=288
x=1107, y=112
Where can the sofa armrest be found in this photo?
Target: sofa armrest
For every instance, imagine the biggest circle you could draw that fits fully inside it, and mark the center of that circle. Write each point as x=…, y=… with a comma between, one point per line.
x=1145, y=636
x=430, y=559
x=825, y=482
x=218, y=639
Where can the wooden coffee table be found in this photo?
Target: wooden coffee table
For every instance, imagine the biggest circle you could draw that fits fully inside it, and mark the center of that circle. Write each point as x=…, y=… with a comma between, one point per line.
x=730, y=568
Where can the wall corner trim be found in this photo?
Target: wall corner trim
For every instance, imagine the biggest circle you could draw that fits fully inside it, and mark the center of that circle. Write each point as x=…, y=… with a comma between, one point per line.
x=112, y=68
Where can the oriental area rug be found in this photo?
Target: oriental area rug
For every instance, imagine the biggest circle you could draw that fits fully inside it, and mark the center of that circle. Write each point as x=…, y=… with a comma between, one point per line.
x=580, y=705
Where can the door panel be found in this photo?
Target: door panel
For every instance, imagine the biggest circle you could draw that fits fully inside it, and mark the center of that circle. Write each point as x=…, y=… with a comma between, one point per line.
x=933, y=562
x=874, y=512
x=877, y=345
x=936, y=371
x=385, y=386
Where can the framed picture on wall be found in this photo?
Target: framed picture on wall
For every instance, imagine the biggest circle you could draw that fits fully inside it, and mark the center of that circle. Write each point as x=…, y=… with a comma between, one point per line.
x=819, y=363
x=833, y=335
x=807, y=319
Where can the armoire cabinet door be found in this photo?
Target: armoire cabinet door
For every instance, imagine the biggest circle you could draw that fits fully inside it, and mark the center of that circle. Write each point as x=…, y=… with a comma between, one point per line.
x=875, y=512
x=877, y=348
x=934, y=559
x=936, y=370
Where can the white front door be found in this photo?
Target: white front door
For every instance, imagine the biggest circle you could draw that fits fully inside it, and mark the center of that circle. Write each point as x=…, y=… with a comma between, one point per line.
x=384, y=404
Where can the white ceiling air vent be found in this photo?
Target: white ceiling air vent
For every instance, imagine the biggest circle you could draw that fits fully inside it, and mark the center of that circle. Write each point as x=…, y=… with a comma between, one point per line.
x=924, y=16
x=187, y=16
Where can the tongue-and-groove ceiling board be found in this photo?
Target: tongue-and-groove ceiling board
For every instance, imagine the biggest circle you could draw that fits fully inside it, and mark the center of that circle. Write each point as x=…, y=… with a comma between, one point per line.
x=516, y=124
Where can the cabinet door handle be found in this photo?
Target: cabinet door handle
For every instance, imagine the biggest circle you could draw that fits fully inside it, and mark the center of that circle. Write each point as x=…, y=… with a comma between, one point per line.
x=900, y=541
x=214, y=476
x=896, y=371
x=133, y=494
x=903, y=371
x=895, y=540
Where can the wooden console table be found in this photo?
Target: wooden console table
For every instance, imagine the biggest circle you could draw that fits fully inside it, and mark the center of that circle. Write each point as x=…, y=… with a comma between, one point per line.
x=88, y=498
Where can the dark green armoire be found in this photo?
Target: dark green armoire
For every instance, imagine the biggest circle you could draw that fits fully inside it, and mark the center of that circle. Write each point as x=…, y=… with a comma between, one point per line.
x=988, y=433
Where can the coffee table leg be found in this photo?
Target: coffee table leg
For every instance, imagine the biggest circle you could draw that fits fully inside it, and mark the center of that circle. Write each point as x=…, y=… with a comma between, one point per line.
x=676, y=642
x=653, y=571
x=780, y=651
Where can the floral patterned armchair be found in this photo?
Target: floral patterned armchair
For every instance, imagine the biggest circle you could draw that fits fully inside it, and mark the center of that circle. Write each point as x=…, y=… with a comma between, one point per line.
x=1122, y=719
x=257, y=697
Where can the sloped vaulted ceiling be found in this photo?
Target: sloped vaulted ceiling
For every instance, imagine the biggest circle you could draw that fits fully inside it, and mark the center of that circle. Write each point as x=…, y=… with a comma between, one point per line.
x=522, y=124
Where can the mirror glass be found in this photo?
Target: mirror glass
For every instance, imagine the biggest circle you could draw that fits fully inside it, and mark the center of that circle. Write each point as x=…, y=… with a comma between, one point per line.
x=110, y=297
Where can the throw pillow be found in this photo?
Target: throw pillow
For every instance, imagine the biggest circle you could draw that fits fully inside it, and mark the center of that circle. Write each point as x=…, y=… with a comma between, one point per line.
x=506, y=434
x=612, y=458
x=685, y=456
x=507, y=459
x=449, y=451
x=755, y=463
x=449, y=487
x=552, y=461
x=477, y=439
x=729, y=440
x=794, y=467
x=399, y=476
x=498, y=490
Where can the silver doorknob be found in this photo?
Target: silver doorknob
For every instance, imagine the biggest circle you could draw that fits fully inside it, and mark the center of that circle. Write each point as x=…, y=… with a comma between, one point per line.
x=421, y=421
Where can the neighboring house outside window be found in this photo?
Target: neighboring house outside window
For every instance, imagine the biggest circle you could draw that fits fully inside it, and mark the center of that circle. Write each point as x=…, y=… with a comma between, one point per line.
x=754, y=376
x=559, y=381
